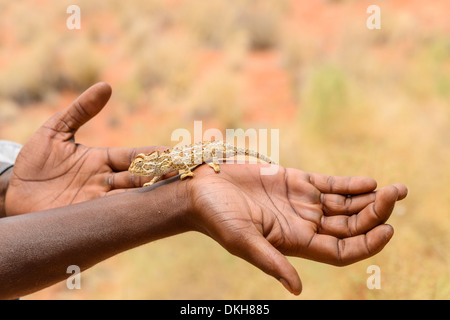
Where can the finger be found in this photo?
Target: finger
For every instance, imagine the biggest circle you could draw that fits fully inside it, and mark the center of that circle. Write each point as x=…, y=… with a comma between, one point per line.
x=84, y=108
x=342, y=185
x=258, y=251
x=126, y=180
x=374, y=214
x=119, y=159
x=336, y=204
x=402, y=191
x=341, y=252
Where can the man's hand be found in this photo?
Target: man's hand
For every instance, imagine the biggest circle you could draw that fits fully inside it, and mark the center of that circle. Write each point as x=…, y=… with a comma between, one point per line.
x=261, y=218
x=52, y=170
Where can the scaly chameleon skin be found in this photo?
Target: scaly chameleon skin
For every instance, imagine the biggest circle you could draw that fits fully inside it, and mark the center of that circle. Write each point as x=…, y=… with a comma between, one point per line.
x=183, y=160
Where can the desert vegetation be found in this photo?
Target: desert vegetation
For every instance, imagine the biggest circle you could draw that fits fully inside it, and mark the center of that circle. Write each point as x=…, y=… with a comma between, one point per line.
x=347, y=100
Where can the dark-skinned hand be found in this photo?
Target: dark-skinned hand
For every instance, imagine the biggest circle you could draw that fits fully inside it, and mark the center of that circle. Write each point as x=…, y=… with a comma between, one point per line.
x=52, y=170
x=262, y=218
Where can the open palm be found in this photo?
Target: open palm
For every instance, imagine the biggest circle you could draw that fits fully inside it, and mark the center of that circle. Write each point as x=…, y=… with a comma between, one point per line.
x=52, y=170
x=261, y=218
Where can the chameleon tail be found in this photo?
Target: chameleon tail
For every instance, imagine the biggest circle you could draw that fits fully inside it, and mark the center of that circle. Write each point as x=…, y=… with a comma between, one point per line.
x=255, y=154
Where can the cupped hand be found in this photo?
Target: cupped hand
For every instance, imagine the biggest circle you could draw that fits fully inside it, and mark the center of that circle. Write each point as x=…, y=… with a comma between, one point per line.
x=262, y=218
x=52, y=170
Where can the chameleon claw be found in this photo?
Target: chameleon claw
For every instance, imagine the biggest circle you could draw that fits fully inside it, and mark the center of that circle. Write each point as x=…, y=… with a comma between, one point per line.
x=185, y=175
x=215, y=166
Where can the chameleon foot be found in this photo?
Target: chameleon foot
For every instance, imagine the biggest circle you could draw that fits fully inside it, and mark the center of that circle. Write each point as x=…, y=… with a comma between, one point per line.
x=215, y=166
x=185, y=175
x=155, y=178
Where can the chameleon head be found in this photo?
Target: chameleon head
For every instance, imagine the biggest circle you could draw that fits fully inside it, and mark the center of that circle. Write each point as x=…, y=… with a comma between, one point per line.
x=145, y=165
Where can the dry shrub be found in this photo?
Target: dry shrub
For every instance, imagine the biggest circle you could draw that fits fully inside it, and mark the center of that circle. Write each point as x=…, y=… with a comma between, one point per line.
x=215, y=21
x=167, y=62
x=28, y=77
x=80, y=64
x=217, y=97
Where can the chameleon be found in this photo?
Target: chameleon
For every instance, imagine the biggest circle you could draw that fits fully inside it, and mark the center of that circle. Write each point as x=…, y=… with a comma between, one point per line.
x=184, y=160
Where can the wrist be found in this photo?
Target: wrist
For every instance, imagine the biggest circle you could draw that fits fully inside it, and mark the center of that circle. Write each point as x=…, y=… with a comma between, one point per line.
x=163, y=209
x=194, y=212
x=176, y=205
x=5, y=174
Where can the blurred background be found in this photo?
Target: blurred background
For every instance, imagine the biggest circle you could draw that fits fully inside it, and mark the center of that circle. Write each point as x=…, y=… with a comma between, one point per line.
x=347, y=100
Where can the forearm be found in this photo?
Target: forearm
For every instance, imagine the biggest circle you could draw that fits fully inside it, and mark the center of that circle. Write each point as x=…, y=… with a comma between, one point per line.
x=37, y=248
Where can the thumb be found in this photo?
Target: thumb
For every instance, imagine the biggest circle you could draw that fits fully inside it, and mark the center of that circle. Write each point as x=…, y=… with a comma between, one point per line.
x=84, y=108
x=259, y=252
